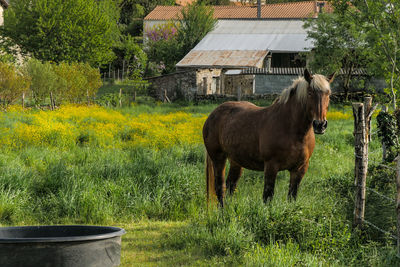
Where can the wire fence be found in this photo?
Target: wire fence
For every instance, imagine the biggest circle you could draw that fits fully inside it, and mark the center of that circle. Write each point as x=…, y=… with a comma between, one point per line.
x=362, y=130
x=116, y=74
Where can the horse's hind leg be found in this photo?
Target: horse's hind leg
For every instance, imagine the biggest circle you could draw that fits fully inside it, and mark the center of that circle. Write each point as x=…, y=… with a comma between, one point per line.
x=295, y=179
x=219, y=162
x=270, y=172
x=235, y=171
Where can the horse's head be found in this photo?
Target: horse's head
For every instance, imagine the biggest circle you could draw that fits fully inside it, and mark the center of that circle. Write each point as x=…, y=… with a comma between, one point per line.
x=318, y=92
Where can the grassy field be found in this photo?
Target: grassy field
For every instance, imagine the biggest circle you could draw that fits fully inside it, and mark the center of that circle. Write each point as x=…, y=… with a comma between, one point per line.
x=142, y=168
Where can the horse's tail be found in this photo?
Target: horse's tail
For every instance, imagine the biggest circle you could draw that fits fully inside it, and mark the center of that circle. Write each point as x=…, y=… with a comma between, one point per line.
x=210, y=180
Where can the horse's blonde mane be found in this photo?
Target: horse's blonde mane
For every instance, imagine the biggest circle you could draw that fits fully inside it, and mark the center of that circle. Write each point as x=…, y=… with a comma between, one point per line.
x=318, y=83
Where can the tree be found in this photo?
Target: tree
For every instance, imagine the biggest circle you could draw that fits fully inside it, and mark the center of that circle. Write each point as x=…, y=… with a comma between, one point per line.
x=43, y=79
x=381, y=22
x=62, y=30
x=130, y=52
x=169, y=43
x=215, y=2
x=196, y=21
x=12, y=83
x=132, y=13
x=338, y=44
x=363, y=33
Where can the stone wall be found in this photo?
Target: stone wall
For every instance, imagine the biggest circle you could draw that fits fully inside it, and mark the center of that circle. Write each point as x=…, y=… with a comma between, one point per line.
x=178, y=84
x=208, y=81
x=270, y=84
x=191, y=82
x=232, y=83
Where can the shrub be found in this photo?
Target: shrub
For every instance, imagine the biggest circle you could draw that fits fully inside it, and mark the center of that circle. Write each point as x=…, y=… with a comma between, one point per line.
x=93, y=79
x=44, y=79
x=387, y=132
x=76, y=81
x=12, y=83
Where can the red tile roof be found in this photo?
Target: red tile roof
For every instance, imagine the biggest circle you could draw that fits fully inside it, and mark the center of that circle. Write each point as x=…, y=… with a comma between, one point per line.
x=291, y=10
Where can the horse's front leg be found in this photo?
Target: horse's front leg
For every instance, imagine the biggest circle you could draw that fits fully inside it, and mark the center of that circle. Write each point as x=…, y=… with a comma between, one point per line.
x=270, y=172
x=295, y=179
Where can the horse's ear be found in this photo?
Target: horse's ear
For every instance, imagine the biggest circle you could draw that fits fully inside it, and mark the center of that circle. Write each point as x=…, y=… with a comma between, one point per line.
x=331, y=77
x=307, y=76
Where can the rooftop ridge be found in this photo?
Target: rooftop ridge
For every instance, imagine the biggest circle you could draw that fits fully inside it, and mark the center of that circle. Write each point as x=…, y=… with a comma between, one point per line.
x=298, y=10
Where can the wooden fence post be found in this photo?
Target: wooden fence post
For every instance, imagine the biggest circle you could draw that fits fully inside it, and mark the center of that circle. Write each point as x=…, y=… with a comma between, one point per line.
x=23, y=100
x=166, y=99
x=361, y=162
x=123, y=69
x=367, y=109
x=384, y=151
x=51, y=101
x=120, y=97
x=87, y=97
x=362, y=113
x=398, y=204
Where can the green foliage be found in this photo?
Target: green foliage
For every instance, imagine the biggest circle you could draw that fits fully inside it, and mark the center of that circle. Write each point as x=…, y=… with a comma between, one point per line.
x=43, y=79
x=6, y=57
x=69, y=83
x=383, y=35
x=71, y=31
x=339, y=44
x=93, y=79
x=129, y=51
x=163, y=57
x=378, y=23
x=12, y=83
x=132, y=13
x=388, y=132
x=75, y=82
x=195, y=22
x=215, y=2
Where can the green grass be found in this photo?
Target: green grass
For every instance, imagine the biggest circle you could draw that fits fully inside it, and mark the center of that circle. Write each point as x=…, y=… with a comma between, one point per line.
x=158, y=196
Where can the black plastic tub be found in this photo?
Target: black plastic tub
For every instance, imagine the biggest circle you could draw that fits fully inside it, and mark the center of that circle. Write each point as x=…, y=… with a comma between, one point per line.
x=60, y=245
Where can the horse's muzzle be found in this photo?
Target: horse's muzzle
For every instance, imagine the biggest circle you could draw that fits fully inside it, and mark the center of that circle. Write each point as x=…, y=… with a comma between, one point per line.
x=320, y=126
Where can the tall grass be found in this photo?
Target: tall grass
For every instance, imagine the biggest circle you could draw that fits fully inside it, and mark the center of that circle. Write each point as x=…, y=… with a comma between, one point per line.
x=90, y=185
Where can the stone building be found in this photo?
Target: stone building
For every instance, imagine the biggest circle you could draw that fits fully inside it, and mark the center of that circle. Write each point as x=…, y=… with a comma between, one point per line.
x=271, y=36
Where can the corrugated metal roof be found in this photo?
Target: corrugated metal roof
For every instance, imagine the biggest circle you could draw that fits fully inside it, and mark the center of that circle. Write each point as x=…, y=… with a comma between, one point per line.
x=292, y=71
x=226, y=59
x=271, y=42
x=258, y=26
x=298, y=10
x=285, y=36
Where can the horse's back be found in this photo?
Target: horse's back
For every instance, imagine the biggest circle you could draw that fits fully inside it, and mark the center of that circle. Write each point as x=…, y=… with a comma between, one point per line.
x=231, y=128
x=229, y=113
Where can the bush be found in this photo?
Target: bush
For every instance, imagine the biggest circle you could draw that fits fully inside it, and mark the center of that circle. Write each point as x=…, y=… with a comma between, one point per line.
x=44, y=79
x=12, y=83
x=70, y=83
x=75, y=82
x=93, y=79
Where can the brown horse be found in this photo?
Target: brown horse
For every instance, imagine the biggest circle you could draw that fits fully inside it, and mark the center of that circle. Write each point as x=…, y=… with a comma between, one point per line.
x=275, y=138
